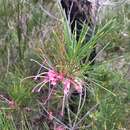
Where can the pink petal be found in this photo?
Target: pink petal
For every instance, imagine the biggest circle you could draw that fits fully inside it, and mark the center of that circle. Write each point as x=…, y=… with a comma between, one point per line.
x=60, y=77
x=66, y=84
x=51, y=73
x=53, y=82
x=60, y=128
x=52, y=76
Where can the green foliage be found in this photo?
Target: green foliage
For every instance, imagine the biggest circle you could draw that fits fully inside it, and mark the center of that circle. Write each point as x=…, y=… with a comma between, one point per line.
x=6, y=123
x=120, y=38
x=110, y=114
x=21, y=95
x=21, y=38
x=111, y=110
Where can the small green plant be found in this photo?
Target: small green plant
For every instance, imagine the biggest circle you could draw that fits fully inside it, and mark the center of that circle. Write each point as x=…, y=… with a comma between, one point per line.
x=111, y=111
x=47, y=100
x=64, y=72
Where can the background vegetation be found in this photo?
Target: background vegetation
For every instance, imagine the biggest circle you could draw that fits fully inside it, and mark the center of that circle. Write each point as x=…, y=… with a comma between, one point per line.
x=26, y=28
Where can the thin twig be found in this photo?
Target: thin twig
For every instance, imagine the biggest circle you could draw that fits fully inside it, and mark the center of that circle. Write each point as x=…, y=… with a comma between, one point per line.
x=48, y=13
x=78, y=111
x=55, y=117
x=68, y=111
x=91, y=110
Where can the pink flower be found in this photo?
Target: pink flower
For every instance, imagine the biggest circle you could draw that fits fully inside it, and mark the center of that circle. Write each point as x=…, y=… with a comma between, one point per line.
x=60, y=77
x=60, y=127
x=12, y=104
x=50, y=115
x=54, y=82
x=52, y=76
x=51, y=73
x=66, y=84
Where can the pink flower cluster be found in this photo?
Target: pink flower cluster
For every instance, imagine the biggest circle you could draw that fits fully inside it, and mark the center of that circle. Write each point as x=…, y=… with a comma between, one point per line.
x=54, y=78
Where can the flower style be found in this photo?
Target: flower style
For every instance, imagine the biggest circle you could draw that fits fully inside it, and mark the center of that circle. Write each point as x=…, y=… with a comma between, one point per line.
x=50, y=115
x=66, y=84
